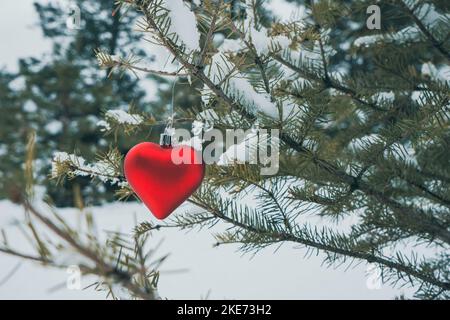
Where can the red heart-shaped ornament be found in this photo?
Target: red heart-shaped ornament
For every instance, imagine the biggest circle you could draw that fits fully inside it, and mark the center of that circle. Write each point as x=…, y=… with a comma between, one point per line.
x=160, y=182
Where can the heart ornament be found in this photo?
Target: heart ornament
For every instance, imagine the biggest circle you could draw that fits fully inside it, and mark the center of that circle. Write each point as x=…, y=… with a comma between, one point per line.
x=160, y=182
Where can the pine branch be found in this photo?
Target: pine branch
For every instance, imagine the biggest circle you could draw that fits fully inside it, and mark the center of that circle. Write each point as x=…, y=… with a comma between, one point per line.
x=435, y=43
x=347, y=180
x=209, y=35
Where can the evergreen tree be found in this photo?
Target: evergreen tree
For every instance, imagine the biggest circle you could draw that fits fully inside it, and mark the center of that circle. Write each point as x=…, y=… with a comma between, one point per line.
x=13, y=136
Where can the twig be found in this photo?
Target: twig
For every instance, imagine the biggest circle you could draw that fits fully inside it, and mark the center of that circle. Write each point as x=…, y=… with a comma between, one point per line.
x=438, y=45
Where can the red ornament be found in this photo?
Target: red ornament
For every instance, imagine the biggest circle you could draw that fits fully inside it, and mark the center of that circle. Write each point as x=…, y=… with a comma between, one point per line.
x=159, y=182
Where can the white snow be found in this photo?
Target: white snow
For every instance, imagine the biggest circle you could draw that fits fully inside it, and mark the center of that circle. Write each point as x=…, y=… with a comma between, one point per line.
x=440, y=73
x=259, y=37
x=428, y=14
x=364, y=142
x=197, y=127
x=60, y=157
x=194, y=142
x=237, y=85
x=286, y=11
x=244, y=152
x=387, y=96
x=418, y=96
x=3, y=149
x=208, y=115
x=231, y=45
x=72, y=257
x=366, y=40
x=407, y=34
x=444, y=73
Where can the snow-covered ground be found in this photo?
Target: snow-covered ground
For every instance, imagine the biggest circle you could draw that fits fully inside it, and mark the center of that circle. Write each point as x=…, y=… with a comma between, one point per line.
x=194, y=268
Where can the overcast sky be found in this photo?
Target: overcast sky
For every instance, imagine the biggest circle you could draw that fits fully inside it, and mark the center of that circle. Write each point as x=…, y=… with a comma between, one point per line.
x=223, y=272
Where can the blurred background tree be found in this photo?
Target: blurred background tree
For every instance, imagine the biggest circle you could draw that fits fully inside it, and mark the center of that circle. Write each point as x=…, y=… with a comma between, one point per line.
x=65, y=94
x=364, y=129
x=366, y=141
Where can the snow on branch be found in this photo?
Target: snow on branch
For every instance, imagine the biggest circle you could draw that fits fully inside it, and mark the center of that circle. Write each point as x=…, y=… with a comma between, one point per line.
x=183, y=23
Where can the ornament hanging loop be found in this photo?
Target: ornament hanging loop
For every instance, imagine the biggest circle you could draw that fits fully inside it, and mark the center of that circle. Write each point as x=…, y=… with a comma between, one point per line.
x=165, y=140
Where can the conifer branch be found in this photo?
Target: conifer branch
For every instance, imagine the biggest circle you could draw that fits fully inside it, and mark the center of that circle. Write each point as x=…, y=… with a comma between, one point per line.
x=328, y=83
x=93, y=256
